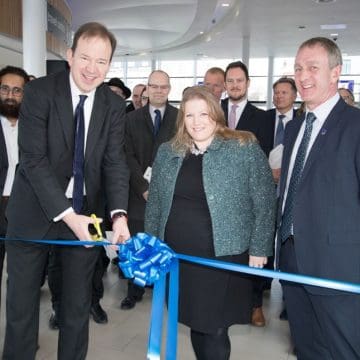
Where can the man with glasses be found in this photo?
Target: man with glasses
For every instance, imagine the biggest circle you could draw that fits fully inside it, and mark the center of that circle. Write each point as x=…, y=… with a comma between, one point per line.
x=12, y=81
x=146, y=129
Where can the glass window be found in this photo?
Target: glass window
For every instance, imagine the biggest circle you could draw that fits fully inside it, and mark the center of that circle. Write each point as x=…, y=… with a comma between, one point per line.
x=283, y=67
x=138, y=69
x=258, y=88
x=203, y=65
x=177, y=68
x=258, y=67
x=177, y=87
x=116, y=70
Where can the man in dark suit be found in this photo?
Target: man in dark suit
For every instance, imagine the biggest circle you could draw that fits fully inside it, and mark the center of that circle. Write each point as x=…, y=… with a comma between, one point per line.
x=319, y=208
x=144, y=135
x=284, y=96
x=136, y=98
x=65, y=174
x=241, y=115
x=214, y=80
x=12, y=82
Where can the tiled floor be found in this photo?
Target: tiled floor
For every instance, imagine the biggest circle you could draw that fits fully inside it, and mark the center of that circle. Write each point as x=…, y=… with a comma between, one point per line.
x=125, y=336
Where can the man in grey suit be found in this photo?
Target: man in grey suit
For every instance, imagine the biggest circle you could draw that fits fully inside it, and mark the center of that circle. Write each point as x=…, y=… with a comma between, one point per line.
x=146, y=129
x=51, y=201
x=319, y=208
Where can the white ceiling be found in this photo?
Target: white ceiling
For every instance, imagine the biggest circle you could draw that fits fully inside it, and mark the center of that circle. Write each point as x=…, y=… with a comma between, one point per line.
x=170, y=29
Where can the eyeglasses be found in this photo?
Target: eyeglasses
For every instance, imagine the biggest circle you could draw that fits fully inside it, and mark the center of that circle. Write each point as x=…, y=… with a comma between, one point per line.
x=159, y=87
x=16, y=91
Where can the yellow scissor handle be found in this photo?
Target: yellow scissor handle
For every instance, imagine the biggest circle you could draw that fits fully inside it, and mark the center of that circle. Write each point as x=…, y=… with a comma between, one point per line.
x=99, y=236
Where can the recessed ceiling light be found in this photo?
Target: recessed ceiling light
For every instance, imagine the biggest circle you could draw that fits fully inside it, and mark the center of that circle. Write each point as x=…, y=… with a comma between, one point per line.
x=333, y=26
x=325, y=1
x=334, y=34
x=225, y=4
x=201, y=32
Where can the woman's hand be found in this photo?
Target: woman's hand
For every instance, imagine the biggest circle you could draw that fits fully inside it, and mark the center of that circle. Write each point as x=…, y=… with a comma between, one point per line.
x=257, y=261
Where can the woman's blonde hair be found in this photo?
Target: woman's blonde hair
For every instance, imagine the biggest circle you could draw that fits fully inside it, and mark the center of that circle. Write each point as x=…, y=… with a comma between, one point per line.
x=182, y=141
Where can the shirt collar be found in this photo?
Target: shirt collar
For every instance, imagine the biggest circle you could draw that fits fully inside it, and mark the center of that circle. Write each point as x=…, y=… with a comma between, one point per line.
x=288, y=114
x=6, y=123
x=75, y=92
x=322, y=111
x=152, y=109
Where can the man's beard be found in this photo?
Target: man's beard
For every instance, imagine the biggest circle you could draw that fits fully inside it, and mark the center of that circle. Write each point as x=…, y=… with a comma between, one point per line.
x=237, y=98
x=9, y=108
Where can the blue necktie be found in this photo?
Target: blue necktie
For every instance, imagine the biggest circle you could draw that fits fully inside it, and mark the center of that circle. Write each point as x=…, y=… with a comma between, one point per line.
x=279, y=136
x=287, y=218
x=78, y=162
x=157, y=122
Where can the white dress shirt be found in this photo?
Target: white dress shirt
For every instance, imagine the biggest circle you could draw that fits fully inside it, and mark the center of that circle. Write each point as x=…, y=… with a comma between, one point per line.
x=88, y=105
x=10, y=132
x=288, y=117
x=239, y=110
x=152, y=112
x=321, y=113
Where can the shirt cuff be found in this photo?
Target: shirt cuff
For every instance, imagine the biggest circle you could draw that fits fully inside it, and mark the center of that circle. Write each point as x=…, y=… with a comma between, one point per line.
x=116, y=211
x=60, y=216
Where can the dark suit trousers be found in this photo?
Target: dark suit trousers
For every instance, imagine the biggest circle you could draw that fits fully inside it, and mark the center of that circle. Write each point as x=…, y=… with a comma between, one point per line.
x=26, y=262
x=54, y=277
x=322, y=326
x=3, y=226
x=135, y=291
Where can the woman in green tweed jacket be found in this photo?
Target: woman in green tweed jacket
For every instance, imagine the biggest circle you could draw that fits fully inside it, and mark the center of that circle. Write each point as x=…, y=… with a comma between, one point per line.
x=212, y=195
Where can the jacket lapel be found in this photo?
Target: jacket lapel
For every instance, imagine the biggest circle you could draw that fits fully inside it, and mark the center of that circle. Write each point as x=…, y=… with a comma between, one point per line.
x=320, y=140
x=98, y=115
x=148, y=119
x=291, y=135
x=64, y=107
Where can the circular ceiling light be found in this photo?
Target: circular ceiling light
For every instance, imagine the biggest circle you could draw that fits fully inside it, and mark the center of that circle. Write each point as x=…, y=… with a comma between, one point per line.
x=324, y=1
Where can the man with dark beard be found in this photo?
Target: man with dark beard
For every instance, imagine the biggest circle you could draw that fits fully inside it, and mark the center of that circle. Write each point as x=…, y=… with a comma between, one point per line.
x=12, y=81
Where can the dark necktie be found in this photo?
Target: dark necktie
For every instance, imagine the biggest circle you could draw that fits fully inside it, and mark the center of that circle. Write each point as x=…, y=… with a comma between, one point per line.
x=157, y=122
x=287, y=218
x=279, y=136
x=78, y=163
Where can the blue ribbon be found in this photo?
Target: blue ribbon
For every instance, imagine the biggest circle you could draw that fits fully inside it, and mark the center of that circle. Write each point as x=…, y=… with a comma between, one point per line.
x=133, y=248
x=147, y=259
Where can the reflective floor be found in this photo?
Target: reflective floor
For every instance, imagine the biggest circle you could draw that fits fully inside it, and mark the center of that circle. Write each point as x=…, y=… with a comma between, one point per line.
x=125, y=336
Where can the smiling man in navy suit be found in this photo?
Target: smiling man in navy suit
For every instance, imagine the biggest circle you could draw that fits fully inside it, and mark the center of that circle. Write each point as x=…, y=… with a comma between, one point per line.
x=319, y=210
x=46, y=204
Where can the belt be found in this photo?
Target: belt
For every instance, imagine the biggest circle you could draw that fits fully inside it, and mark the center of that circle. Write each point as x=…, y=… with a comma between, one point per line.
x=5, y=198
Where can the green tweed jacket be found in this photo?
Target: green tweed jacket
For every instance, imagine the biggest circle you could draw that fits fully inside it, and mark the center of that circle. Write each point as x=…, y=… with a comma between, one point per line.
x=239, y=190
